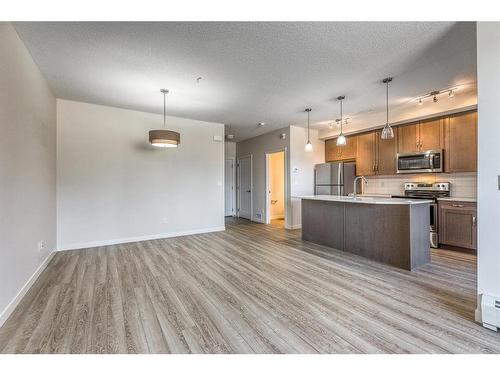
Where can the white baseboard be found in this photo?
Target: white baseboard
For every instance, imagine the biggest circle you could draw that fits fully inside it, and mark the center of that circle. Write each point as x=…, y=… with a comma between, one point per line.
x=258, y=220
x=296, y=226
x=19, y=296
x=116, y=241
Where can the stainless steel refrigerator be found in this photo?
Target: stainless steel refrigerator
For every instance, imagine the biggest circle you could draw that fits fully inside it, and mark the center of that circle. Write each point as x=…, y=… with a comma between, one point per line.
x=334, y=178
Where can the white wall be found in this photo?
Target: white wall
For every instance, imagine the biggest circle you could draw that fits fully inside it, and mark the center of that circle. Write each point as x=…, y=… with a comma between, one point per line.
x=488, y=59
x=27, y=169
x=112, y=186
x=258, y=147
x=302, y=168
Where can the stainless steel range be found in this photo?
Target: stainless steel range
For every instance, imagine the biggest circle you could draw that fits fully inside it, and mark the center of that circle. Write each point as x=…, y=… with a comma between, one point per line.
x=420, y=190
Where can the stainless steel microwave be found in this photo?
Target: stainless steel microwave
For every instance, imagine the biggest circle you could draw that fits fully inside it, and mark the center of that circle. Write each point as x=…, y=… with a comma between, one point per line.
x=420, y=162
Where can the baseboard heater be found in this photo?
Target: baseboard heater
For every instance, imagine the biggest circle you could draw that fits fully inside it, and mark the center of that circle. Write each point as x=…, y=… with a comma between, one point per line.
x=490, y=312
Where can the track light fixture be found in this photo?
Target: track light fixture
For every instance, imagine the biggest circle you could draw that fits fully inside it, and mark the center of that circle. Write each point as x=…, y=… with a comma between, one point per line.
x=435, y=95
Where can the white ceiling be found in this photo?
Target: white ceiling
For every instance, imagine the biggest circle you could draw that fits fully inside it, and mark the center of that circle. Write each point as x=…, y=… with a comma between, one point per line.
x=257, y=71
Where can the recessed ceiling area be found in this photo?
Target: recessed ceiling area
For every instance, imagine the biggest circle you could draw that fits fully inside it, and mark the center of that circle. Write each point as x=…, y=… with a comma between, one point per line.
x=259, y=72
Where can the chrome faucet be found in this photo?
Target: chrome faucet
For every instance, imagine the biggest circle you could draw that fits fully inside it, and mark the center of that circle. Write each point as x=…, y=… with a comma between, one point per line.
x=354, y=194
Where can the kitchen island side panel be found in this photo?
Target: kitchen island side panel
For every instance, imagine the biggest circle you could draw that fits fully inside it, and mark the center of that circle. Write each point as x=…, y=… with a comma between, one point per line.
x=420, y=241
x=323, y=223
x=379, y=232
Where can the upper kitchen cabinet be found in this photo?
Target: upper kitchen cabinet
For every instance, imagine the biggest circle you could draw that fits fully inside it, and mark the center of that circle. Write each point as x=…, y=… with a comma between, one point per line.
x=407, y=138
x=422, y=136
x=431, y=135
x=337, y=153
x=366, y=154
x=375, y=156
x=385, y=155
x=461, y=143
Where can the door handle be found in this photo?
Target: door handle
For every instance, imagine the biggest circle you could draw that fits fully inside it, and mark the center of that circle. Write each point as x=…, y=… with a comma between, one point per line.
x=474, y=220
x=248, y=191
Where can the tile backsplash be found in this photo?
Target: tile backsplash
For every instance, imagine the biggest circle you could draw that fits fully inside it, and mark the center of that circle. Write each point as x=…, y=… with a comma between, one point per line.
x=463, y=185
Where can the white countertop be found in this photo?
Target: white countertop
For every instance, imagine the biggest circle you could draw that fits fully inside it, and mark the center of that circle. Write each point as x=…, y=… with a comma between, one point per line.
x=364, y=199
x=458, y=199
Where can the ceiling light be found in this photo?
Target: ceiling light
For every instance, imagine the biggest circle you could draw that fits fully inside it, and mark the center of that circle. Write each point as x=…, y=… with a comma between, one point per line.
x=309, y=145
x=420, y=102
x=387, y=131
x=451, y=94
x=435, y=99
x=162, y=137
x=341, y=141
x=261, y=124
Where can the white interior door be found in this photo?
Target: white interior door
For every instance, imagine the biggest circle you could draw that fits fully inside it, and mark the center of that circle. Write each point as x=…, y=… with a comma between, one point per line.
x=229, y=187
x=245, y=187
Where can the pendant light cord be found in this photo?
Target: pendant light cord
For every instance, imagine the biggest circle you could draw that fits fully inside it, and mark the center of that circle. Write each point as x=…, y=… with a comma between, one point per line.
x=387, y=101
x=164, y=110
x=341, y=127
x=308, y=139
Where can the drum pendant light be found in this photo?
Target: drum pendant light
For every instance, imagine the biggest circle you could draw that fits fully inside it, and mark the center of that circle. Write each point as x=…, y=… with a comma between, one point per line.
x=162, y=137
x=387, y=131
x=341, y=141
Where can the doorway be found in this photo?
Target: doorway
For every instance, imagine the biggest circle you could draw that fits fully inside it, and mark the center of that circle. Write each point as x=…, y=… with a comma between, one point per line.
x=276, y=189
x=229, y=187
x=245, y=187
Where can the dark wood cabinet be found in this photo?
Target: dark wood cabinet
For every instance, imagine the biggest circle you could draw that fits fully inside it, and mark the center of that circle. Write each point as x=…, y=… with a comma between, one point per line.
x=461, y=143
x=458, y=224
x=338, y=153
x=385, y=155
x=407, y=138
x=365, y=157
x=422, y=136
x=431, y=135
x=455, y=134
x=375, y=156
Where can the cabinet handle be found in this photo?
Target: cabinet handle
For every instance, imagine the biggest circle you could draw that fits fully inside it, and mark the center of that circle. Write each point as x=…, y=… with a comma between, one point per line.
x=458, y=205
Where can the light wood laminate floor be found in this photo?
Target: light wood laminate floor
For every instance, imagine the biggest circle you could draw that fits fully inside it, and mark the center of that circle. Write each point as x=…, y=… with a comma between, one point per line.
x=251, y=289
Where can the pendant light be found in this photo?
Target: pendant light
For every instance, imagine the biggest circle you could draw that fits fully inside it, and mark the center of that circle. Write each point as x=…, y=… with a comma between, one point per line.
x=387, y=131
x=309, y=146
x=163, y=137
x=341, y=141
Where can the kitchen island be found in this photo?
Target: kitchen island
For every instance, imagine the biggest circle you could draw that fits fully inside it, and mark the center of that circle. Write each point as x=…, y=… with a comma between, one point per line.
x=394, y=231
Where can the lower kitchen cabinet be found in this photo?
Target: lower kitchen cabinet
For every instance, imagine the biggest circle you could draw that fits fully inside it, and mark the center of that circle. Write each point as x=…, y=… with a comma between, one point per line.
x=457, y=224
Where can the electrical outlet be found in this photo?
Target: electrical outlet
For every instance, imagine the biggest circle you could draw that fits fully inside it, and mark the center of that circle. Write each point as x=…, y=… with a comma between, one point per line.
x=41, y=246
